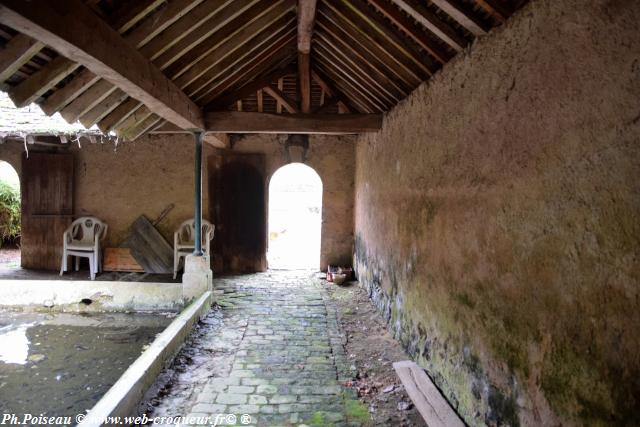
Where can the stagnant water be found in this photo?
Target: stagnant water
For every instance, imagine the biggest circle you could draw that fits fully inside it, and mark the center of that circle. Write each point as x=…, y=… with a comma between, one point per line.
x=62, y=364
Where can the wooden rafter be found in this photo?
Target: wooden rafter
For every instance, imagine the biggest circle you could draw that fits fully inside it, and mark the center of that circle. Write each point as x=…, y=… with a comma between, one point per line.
x=495, y=9
x=333, y=93
x=254, y=85
x=76, y=32
x=454, y=8
x=357, y=30
x=380, y=29
x=16, y=53
x=50, y=74
x=235, y=122
x=283, y=98
x=269, y=58
x=417, y=33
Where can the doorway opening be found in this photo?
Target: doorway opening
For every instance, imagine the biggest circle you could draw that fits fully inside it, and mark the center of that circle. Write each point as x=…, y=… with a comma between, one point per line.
x=295, y=218
x=10, y=212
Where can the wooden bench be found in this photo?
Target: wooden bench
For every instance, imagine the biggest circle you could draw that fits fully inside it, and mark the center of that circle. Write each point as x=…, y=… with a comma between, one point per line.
x=433, y=407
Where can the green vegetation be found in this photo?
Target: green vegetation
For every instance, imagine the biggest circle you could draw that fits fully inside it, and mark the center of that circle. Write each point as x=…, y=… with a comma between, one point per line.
x=9, y=213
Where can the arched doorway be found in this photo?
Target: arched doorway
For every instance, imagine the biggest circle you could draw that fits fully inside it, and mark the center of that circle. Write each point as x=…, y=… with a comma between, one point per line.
x=295, y=218
x=10, y=212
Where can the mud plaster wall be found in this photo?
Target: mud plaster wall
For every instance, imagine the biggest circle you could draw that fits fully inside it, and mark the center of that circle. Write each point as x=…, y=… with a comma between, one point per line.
x=144, y=177
x=498, y=219
x=332, y=157
x=137, y=178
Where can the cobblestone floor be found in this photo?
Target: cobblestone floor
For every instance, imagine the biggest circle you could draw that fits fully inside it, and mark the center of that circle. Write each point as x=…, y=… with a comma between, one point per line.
x=284, y=360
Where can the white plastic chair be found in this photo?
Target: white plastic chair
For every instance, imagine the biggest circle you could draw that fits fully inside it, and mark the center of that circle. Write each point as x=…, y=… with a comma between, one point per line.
x=184, y=241
x=82, y=239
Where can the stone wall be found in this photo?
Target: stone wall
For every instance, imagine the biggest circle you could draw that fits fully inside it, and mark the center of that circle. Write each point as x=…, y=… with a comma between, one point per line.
x=498, y=219
x=117, y=184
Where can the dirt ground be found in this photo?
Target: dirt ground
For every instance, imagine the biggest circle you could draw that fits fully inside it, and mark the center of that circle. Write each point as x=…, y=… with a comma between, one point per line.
x=372, y=351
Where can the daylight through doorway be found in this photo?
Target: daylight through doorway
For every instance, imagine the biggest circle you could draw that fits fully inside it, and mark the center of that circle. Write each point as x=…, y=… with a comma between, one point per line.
x=295, y=218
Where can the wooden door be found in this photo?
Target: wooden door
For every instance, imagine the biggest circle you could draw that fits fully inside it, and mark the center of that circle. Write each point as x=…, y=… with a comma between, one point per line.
x=237, y=204
x=47, y=208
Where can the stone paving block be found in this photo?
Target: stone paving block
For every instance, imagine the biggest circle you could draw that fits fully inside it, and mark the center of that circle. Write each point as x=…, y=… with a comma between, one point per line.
x=278, y=398
x=210, y=408
x=267, y=389
x=231, y=399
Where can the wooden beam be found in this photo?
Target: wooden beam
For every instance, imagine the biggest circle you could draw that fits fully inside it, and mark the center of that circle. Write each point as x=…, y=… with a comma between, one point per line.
x=386, y=34
x=280, y=87
x=260, y=101
x=258, y=83
x=282, y=98
x=107, y=105
x=235, y=122
x=304, y=81
x=306, y=19
x=373, y=66
x=17, y=52
x=54, y=71
x=72, y=29
x=417, y=33
x=41, y=81
x=361, y=31
x=331, y=91
x=432, y=22
x=454, y=8
x=118, y=115
x=277, y=53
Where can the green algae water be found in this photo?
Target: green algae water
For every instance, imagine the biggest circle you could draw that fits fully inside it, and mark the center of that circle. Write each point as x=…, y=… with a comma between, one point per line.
x=62, y=364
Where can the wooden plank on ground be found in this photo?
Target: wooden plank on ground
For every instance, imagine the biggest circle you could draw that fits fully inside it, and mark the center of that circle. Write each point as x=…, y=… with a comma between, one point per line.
x=120, y=259
x=148, y=247
x=433, y=407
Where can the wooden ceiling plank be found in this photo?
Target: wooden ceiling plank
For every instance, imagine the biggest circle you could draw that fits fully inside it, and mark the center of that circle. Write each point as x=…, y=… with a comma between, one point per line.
x=85, y=102
x=222, y=74
x=353, y=93
x=417, y=33
x=193, y=28
x=248, y=39
x=381, y=81
x=454, y=8
x=230, y=37
x=387, y=35
x=76, y=32
x=273, y=58
x=398, y=63
x=17, y=52
x=119, y=114
x=235, y=122
x=365, y=57
x=288, y=103
x=252, y=86
x=354, y=79
x=106, y=106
